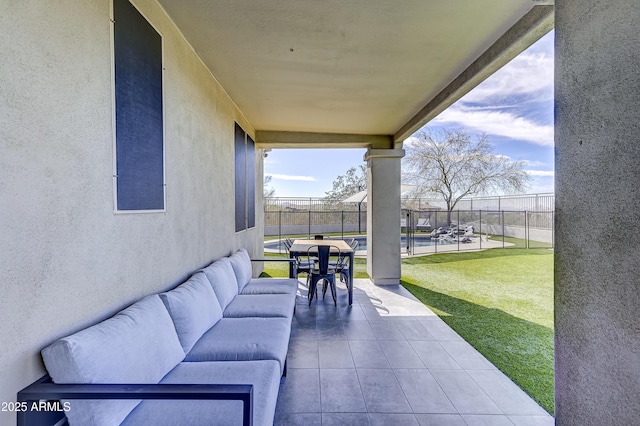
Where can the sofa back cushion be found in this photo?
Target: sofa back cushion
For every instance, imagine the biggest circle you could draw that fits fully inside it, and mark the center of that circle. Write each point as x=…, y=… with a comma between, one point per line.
x=194, y=308
x=241, y=263
x=137, y=345
x=223, y=280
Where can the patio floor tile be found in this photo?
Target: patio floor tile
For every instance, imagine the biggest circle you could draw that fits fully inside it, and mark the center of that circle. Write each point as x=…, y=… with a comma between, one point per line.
x=434, y=355
x=506, y=394
x=464, y=393
x=401, y=354
x=300, y=392
x=544, y=420
x=388, y=360
x=386, y=330
x=297, y=419
x=303, y=353
x=340, y=390
x=423, y=392
x=385, y=419
x=439, y=330
x=486, y=420
x=412, y=329
x=358, y=330
x=467, y=356
x=440, y=420
x=335, y=354
x=342, y=419
x=330, y=330
x=382, y=392
x=353, y=313
x=368, y=354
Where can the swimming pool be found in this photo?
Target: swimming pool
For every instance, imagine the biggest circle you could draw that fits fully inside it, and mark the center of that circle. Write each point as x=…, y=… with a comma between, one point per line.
x=419, y=241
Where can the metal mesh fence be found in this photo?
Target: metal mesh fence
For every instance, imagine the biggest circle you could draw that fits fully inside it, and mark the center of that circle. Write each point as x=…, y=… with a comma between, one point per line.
x=426, y=231
x=477, y=229
x=520, y=221
x=524, y=202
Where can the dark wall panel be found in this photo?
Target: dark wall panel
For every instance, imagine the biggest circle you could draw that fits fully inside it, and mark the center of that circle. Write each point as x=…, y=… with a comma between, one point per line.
x=138, y=106
x=251, y=183
x=240, y=178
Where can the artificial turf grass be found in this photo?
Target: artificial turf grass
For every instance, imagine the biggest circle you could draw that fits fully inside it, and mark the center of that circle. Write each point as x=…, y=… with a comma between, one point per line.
x=498, y=300
x=501, y=302
x=281, y=269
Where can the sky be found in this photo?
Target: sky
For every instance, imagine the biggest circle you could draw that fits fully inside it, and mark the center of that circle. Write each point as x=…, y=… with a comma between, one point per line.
x=513, y=107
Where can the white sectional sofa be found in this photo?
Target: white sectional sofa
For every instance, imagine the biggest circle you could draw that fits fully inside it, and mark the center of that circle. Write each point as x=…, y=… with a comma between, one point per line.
x=180, y=350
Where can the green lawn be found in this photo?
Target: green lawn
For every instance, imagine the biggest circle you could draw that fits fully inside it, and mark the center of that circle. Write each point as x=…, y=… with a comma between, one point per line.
x=281, y=269
x=498, y=300
x=501, y=302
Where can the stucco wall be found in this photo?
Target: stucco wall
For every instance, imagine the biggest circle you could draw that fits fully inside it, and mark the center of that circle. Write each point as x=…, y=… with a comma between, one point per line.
x=597, y=237
x=66, y=260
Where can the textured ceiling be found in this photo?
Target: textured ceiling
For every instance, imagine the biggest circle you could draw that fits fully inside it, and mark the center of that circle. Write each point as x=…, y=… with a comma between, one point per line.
x=336, y=66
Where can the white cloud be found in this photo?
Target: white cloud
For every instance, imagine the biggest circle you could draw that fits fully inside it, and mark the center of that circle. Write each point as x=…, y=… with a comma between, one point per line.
x=541, y=187
x=409, y=142
x=291, y=177
x=499, y=156
x=529, y=75
x=498, y=123
x=540, y=172
x=536, y=163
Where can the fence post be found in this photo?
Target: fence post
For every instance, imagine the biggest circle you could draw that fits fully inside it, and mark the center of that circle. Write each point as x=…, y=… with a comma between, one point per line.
x=458, y=231
x=502, y=225
x=342, y=222
x=280, y=231
x=309, y=224
x=437, y=235
x=526, y=228
x=480, y=225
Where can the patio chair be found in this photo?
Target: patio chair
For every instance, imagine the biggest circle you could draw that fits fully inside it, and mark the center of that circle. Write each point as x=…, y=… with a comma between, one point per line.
x=448, y=237
x=322, y=271
x=466, y=236
x=302, y=266
x=423, y=224
x=342, y=269
x=353, y=243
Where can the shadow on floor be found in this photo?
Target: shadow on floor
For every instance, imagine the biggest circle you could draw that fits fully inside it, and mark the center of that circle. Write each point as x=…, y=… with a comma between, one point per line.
x=521, y=349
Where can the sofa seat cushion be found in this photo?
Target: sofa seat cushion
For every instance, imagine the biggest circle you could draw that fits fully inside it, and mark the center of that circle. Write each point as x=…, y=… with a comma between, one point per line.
x=223, y=280
x=244, y=339
x=138, y=345
x=241, y=263
x=194, y=308
x=263, y=375
x=261, y=305
x=271, y=286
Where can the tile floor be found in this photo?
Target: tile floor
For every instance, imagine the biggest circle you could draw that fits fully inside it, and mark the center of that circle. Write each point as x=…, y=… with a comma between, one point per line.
x=388, y=360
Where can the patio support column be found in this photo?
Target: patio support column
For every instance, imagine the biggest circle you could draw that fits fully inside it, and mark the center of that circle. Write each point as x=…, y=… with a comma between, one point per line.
x=383, y=215
x=597, y=225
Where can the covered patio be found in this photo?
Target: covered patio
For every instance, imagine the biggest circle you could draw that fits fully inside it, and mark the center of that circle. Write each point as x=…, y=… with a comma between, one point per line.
x=388, y=359
x=357, y=75
x=234, y=78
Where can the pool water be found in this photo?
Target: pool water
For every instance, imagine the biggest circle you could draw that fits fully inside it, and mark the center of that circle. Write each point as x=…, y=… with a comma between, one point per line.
x=419, y=241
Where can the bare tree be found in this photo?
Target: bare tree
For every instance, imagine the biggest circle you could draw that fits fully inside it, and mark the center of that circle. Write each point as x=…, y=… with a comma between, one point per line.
x=346, y=185
x=268, y=191
x=452, y=165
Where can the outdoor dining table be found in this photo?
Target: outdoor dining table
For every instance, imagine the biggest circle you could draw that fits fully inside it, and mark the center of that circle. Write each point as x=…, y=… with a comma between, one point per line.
x=301, y=248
